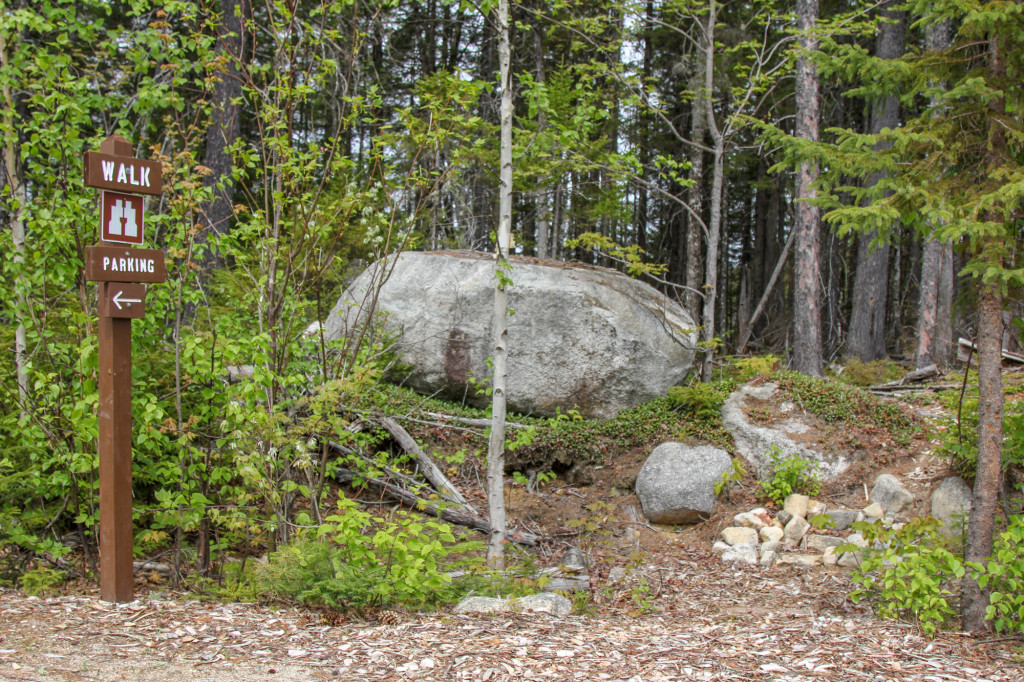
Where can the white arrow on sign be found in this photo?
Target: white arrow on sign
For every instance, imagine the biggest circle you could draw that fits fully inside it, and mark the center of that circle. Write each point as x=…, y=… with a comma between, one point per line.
x=118, y=300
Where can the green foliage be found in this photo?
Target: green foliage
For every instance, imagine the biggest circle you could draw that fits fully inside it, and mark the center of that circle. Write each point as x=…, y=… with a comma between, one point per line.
x=756, y=366
x=860, y=373
x=1003, y=575
x=822, y=521
x=910, y=576
x=631, y=257
x=358, y=560
x=833, y=402
x=734, y=475
x=41, y=581
x=790, y=474
x=959, y=438
x=703, y=401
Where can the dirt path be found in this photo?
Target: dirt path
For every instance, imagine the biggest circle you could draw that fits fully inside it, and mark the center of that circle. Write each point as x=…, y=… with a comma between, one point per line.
x=680, y=620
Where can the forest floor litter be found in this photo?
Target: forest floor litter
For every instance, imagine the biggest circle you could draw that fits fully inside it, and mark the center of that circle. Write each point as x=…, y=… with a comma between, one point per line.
x=699, y=620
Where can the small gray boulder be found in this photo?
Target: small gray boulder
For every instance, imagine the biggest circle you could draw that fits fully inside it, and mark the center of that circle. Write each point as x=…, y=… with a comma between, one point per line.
x=951, y=504
x=890, y=494
x=676, y=484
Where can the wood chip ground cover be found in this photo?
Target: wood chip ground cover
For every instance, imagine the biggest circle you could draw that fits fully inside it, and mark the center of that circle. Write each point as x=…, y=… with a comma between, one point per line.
x=706, y=622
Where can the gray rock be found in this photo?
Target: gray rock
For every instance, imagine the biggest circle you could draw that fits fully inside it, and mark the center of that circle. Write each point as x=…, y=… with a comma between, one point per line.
x=574, y=561
x=735, y=535
x=850, y=560
x=544, y=602
x=819, y=543
x=841, y=519
x=771, y=546
x=481, y=605
x=568, y=584
x=582, y=336
x=873, y=511
x=742, y=553
x=796, y=505
x=799, y=560
x=719, y=547
x=890, y=494
x=951, y=504
x=784, y=517
x=755, y=518
x=677, y=482
x=768, y=558
x=857, y=540
x=830, y=557
x=795, y=530
x=753, y=441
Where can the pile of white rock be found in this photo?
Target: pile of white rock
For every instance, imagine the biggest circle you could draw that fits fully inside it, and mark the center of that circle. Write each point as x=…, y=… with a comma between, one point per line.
x=803, y=533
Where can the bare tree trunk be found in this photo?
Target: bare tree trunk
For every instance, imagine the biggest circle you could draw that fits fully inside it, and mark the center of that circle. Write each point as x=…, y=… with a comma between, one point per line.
x=715, y=219
x=540, y=199
x=984, y=497
x=807, y=356
x=937, y=39
x=496, y=445
x=867, y=322
x=225, y=126
x=944, y=342
x=694, y=229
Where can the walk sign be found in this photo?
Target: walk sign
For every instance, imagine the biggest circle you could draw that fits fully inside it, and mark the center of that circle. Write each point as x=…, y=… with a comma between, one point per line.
x=119, y=171
x=121, y=218
x=121, y=273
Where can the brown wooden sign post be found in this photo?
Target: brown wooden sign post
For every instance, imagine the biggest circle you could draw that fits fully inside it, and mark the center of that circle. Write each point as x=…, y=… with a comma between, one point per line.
x=121, y=272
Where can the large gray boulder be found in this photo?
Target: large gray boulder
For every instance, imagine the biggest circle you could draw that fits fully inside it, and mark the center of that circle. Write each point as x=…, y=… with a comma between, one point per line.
x=580, y=337
x=677, y=482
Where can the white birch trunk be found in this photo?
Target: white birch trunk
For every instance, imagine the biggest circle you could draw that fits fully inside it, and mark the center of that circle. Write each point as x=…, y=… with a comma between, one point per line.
x=715, y=219
x=496, y=445
x=19, y=199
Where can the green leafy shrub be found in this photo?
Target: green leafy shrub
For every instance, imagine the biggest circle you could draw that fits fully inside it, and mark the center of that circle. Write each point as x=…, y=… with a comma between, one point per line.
x=734, y=475
x=1004, y=575
x=703, y=401
x=756, y=366
x=359, y=560
x=41, y=581
x=910, y=576
x=792, y=474
x=959, y=440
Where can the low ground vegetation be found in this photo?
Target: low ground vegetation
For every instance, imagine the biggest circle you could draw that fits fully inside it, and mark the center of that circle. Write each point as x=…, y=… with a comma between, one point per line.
x=347, y=552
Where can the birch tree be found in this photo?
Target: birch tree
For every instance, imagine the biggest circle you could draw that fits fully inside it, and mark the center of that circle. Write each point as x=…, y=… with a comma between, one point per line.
x=496, y=444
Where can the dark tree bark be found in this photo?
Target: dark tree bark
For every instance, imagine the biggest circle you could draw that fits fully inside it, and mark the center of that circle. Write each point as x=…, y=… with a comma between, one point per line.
x=807, y=357
x=225, y=126
x=867, y=322
x=984, y=497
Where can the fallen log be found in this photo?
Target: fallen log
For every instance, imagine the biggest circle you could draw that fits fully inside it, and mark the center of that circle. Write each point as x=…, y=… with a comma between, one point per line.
x=926, y=372
x=407, y=499
x=430, y=470
x=965, y=348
